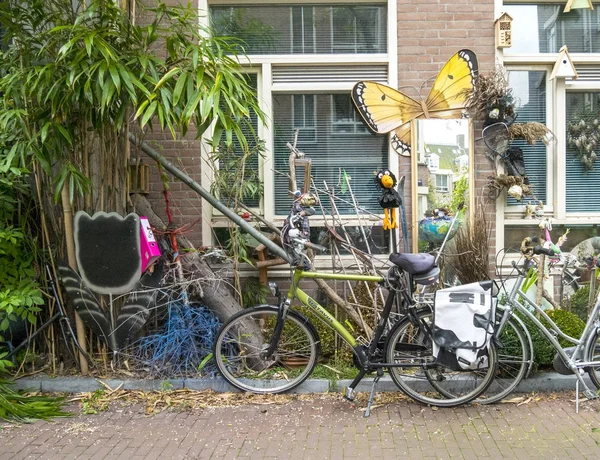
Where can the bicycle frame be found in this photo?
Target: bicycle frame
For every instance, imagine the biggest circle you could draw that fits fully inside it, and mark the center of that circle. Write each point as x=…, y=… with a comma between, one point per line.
x=322, y=313
x=592, y=324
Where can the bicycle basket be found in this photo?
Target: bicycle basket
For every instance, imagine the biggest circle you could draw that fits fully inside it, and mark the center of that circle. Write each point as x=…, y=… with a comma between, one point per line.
x=463, y=325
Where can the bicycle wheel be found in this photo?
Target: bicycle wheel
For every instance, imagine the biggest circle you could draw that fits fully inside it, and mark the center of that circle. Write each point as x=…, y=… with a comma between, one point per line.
x=592, y=353
x=514, y=360
x=410, y=344
x=240, y=343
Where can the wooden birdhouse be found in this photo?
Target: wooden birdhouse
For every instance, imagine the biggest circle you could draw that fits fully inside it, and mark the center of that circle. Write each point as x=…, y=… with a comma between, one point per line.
x=563, y=67
x=503, y=27
x=581, y=4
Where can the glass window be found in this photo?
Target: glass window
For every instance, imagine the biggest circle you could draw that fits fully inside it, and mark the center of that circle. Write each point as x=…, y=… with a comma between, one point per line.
x=284, y=29
x=346, y=120
x=578, y=29
x=583, y=149
x=441, y=183
x=305, y=117
x=333, y=157
x=529, y=91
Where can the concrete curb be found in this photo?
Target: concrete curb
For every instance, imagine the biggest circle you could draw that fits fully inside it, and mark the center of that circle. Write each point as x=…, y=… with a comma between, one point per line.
x=539, y=383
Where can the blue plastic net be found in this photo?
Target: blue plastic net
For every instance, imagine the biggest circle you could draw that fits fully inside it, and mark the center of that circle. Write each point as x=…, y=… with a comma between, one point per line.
x=183, y=342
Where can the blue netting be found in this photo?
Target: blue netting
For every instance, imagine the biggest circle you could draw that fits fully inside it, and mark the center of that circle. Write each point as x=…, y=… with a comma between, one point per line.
x=181, y=344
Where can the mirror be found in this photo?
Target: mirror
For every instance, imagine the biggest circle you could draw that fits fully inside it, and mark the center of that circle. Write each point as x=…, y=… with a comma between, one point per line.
x=442, y=166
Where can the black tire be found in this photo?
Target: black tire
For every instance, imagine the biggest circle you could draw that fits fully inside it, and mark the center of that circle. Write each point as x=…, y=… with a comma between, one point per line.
x=592, y=353
x=514, y=360
x=410, y=343
x=240, y=340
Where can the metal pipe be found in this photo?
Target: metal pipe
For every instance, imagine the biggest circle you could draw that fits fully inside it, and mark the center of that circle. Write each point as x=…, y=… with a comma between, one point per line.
x=196, y=187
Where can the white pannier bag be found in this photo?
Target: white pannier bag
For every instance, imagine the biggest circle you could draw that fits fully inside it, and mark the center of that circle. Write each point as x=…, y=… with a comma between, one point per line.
x=463, y=325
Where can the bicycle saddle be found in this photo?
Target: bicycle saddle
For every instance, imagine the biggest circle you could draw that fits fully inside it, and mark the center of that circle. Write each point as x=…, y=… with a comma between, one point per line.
x=422, y=267
x=413, y=263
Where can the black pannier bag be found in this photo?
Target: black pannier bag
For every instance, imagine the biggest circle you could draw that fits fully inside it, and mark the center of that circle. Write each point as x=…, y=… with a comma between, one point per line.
x=464, y=325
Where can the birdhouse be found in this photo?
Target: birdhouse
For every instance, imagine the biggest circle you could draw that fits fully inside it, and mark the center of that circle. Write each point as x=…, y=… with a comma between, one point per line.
x=503, y=27
x=564, y=67
x=574, y=4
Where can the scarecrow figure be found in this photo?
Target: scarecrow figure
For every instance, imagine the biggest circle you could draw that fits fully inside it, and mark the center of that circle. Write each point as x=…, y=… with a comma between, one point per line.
x=389, y=199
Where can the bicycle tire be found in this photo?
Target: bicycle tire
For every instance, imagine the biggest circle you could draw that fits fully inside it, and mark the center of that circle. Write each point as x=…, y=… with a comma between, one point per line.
x=592, y=353
x=513, y=352
x=241, y=339
x=514, y=360
x=409, y=344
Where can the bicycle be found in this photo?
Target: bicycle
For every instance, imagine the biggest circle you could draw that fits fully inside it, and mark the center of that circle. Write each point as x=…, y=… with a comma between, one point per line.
x=583, y=357
x=274, y=348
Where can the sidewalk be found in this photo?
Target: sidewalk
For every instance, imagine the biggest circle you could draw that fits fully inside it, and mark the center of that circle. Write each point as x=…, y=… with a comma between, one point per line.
x=322, y=426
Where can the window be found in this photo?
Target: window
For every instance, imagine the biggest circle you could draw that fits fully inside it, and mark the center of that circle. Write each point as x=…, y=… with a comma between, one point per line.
x=333, y=158
x=345, y=119
x=441, y=183
x=307, y=57
x=529, y=91
x=304, y=117
x=356, y=29
x=583, y=149
x=578, y=29
x=564, y=173
x=284, y=29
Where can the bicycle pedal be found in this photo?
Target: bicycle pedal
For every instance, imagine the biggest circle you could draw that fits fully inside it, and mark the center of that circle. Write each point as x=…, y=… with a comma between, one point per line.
x=350, y=394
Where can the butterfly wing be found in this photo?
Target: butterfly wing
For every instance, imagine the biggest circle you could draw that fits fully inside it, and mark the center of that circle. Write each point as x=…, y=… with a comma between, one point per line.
x=383, y=108
x=453, y=86
x=401, y=139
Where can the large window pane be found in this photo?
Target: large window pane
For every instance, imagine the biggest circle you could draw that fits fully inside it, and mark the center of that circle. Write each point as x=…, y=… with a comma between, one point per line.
x=583, y=148
x=545, y=28
x=333, y=153
x=529, y=91
x=296, y=29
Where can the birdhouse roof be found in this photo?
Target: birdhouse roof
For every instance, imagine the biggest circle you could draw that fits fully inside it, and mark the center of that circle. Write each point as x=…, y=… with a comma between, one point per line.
x=503, y=17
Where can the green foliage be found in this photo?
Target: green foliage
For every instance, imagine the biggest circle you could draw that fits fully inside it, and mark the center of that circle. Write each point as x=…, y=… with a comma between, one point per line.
x=94, y=403
x=543, y=350
x=254, y=293
x=579, y=302
x=459, y=194
x=20, y=296
x=17, y=407
x=71, y=68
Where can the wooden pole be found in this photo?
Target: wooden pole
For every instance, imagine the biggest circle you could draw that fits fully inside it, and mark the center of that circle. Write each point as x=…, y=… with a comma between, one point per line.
x=68, y=217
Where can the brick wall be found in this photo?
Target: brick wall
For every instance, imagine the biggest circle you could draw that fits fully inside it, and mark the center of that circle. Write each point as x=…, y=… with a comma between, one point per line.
x=429, y=33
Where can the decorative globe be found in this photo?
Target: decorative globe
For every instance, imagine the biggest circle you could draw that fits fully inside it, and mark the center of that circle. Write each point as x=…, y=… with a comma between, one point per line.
x=434, y=229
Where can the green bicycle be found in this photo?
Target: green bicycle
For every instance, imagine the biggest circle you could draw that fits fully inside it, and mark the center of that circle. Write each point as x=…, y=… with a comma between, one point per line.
x=274, y=348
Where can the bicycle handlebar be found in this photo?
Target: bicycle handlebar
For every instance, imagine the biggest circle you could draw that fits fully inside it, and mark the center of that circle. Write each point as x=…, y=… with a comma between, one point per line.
x=540, y=250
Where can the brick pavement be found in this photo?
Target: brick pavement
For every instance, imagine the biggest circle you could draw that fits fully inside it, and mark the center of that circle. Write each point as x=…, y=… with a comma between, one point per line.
x=315, y=428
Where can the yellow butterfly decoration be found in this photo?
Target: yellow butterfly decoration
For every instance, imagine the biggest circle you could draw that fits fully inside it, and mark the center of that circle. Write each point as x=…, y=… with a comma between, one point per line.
x=385, y=109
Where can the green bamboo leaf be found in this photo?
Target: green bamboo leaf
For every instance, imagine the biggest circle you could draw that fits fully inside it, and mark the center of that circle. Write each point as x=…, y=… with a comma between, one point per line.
x=167, y=76
x=89, y=42
x=191, y=106
x=161, y=116
x=149, y=113
x=64, y=133
x=114, y=73
x=141, y=108
x=44, y=131
x=179, y=88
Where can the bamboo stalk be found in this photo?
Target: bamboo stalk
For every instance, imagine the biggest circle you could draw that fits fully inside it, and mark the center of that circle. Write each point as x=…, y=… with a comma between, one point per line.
x=68, y=217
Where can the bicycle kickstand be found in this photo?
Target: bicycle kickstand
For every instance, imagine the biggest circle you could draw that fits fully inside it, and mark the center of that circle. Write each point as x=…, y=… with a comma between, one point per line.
x=372, y=395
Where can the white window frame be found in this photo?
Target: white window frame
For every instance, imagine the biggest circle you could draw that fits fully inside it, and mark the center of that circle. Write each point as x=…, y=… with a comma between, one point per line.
x=556, y=122
x=263, y=65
